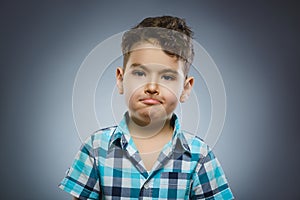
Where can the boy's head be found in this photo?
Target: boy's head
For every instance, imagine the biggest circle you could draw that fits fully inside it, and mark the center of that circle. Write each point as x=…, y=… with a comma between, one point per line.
x=157, y=55
x=168, y=32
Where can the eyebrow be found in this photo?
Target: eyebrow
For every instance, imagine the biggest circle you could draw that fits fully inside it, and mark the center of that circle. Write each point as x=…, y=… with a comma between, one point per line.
x=134, y=65
x=169, y=71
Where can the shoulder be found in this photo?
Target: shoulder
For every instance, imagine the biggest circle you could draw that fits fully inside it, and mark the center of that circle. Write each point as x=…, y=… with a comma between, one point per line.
x=196, y=144
x=108, y=131
x=100, y=138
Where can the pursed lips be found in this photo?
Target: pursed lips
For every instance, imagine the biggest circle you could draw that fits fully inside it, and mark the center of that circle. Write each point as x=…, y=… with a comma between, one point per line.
x=150, y=101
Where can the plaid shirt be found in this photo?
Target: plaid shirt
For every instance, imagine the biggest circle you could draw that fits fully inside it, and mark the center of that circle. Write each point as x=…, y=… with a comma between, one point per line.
x=108, y=166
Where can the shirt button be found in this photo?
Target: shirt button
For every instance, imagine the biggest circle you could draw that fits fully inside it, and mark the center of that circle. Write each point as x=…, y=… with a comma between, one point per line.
x=146, y=186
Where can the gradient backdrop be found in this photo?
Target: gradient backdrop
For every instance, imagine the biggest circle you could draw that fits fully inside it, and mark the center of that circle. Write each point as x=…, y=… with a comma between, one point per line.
x=255, y=45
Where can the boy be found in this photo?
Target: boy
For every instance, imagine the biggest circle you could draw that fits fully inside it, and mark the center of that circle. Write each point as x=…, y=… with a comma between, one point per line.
x=147, y=155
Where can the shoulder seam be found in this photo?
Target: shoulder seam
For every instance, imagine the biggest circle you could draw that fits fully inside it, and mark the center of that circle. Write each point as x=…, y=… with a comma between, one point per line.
x=104, y=129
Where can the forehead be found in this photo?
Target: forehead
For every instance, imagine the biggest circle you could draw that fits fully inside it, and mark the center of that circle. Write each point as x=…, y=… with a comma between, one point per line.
x=147, y=54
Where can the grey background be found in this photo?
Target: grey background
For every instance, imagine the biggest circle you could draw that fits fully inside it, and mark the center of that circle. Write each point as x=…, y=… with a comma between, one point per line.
x=255, y=46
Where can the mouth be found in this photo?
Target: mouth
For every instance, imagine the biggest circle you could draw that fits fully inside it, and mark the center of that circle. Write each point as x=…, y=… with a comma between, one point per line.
x=150, y=101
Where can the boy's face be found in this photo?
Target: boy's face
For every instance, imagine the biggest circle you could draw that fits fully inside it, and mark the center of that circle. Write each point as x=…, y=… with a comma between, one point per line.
x=153, y=83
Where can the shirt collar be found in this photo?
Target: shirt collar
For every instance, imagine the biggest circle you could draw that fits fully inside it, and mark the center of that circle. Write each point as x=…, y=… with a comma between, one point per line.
x=179, y=141
x=121, y=135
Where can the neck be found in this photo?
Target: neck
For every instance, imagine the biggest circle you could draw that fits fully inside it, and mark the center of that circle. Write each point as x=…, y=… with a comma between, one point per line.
x=149, y=130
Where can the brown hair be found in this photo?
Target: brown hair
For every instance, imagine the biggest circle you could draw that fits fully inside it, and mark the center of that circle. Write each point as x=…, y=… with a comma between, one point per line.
x=170, y=33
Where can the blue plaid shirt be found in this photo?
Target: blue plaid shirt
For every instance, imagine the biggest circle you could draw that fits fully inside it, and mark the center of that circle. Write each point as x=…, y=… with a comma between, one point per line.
x=108, y=166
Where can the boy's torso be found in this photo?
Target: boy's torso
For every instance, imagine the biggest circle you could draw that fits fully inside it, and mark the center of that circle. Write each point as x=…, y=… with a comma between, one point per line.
x=122, y=172
x=109, y=166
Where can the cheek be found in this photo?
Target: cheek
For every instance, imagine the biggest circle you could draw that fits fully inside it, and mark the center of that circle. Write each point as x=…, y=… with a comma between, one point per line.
x=129, y=96
x=131, y=93
x=171, y=104
x=172, y=98
x=173, y=101
x=172, y=92
x=131, y=84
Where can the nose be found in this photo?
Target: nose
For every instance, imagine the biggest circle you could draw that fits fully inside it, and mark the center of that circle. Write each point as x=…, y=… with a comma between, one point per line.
x=151, y=88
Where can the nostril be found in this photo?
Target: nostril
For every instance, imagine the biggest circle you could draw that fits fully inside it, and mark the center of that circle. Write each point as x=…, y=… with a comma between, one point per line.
x=151, y=88
x=151, y=92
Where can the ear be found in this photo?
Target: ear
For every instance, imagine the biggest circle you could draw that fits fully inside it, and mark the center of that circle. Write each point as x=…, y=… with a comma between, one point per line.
x=188, y=85
x=119, y=78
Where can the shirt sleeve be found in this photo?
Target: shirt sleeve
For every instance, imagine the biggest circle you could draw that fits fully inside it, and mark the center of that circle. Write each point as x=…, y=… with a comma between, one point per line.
x=209, y=181
x=82, y=179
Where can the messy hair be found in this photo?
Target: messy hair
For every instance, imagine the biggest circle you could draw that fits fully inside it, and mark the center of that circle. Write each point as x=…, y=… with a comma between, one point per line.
x=168, y=32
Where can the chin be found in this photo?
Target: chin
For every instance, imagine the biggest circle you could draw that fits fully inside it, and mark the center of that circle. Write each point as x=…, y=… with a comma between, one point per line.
x=154, y=117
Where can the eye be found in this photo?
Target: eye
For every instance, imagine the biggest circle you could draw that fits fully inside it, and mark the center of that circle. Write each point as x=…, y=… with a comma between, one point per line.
x=168, y=77
x=138, y=73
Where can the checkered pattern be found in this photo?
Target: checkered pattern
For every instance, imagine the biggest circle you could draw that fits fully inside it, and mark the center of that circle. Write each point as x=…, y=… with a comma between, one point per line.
x=108, y=166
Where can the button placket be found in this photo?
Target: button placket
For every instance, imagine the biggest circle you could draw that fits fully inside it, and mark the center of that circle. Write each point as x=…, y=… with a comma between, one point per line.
x=146, y=186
